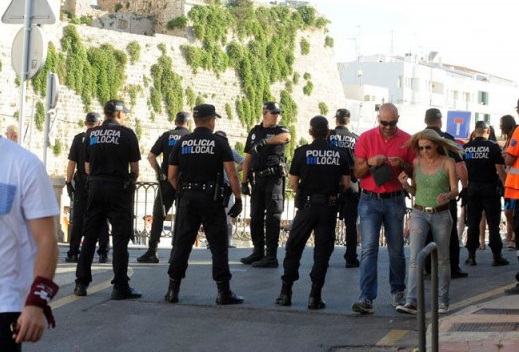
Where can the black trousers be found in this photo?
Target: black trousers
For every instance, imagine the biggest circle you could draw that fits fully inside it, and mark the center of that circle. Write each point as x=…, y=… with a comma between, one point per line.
x=322, y=220
x=514, y=204
x=196, y=208
x=168, y=197
x=267, y=199
x=350, y=214
x=107, y=198
x=7, y=343
x=77, y=221
x=492, y=207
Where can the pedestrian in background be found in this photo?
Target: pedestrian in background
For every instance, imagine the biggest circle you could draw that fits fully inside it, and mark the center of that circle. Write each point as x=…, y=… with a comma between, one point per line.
x=11, y=132
x=433, y=184
x=111, y=150
x=196, y=166
x=265, y=168
x=318, y=174
x=508, y=125
x=28, y=247
x=379, y=159
x=166, y=197
x=343, y=138
x=76, y=180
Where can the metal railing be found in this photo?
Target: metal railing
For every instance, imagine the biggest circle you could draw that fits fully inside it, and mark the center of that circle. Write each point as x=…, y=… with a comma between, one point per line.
x=431, y=249
x=146, y=192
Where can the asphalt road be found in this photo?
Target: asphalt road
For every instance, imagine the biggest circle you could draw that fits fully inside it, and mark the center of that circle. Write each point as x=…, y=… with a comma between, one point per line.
x=196, y=323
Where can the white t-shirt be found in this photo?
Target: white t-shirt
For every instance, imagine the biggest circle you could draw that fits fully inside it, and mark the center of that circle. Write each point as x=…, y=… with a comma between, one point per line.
x=25, y=193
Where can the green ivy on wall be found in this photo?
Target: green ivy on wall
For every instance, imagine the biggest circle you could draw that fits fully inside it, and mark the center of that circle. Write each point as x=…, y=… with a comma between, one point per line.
x=308, y=88
x=134, y=51
x=323, y=108
x=167, y=87
x=177, y=22
x=328, y=42
x=228, y=111
x=305, y=46
x=57, y=148
x=39, y=116
x=190, y=97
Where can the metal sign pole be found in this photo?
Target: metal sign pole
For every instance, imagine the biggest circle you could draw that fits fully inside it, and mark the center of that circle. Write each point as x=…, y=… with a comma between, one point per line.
x=25, y=64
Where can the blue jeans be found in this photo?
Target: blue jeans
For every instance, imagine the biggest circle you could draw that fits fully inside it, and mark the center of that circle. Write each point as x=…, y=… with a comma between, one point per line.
x=440, y=225
x=374, y=213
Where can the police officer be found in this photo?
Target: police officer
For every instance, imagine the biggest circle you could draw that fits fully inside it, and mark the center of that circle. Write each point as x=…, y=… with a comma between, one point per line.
x=318, y=173
x=433, y=120
x=483, y=158
x=196, y=166
x=112, y=163
x=344, y=139
x=166, y=195
x=76, y=188
x=264, y=166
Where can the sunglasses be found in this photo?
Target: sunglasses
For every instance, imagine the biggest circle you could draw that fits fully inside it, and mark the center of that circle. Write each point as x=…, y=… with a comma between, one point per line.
x=274, y=112
x=388, y=123
x=426, y=147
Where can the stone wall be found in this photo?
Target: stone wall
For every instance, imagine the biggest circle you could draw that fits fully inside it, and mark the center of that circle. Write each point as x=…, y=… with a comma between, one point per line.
x=319, y=63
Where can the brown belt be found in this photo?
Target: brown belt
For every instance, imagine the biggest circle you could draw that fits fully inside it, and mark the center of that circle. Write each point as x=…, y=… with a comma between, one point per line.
x=432, y=209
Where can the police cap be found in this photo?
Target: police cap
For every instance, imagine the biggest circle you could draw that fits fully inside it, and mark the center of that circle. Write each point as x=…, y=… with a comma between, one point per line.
x=92, y=117
x=273, y=107
x=112, y=106
x=204, y=110
x=182, y=116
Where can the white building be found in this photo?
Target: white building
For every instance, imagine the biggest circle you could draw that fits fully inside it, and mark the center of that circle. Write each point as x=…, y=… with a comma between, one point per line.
x=415, y=84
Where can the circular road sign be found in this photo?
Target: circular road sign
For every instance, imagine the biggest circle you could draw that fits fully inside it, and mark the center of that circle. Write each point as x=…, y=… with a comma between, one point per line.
x=37, y=53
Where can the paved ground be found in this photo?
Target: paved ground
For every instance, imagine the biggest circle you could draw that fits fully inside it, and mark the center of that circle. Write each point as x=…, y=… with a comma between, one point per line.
x=95, y=323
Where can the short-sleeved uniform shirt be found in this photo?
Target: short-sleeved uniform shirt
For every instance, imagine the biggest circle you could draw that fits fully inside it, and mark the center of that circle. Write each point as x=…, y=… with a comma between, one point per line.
x=481, y=156
x=77, y=153
x=109, y=149
x=341, y=137
x=200, y=156
x=26, y=193
x=320, y=167
x=165, y=144
x=270, y=155
x=372, y=143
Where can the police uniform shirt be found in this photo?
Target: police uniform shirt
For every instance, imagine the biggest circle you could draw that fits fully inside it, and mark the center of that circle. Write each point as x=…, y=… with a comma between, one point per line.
x=165, y=144
x=344, y=139
x=481, y=156
x=110, y=148
x=270, y=155
x=319, y=167
x=200, y=156
x=77, y=153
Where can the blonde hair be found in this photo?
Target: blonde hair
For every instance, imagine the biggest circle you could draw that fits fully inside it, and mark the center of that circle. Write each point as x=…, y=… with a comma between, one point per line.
x=444, y=145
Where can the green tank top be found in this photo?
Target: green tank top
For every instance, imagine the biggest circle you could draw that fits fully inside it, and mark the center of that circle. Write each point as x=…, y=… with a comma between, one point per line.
x=428, y=187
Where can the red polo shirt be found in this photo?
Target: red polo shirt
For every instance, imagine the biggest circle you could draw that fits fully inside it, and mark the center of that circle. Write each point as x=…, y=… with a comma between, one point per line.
x=373, y=143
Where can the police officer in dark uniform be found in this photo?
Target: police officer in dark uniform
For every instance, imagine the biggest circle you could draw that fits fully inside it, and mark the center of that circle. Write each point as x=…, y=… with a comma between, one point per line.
x=264, y=167
x=319, y=172
x=166, y=197
x=112, y=163
x=196, y=166
x=344, y=139
x=433, y=120
x=76, y=188
x=483, y=158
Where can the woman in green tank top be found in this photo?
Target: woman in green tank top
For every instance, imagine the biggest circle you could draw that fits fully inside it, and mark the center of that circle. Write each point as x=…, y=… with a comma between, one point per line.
x=433, y=184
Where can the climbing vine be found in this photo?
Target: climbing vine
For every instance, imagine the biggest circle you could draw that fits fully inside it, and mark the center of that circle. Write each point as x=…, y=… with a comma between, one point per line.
x=167, y=87
x=39, y=116
x=323, y=108
x=134, y=51
x=305, y=46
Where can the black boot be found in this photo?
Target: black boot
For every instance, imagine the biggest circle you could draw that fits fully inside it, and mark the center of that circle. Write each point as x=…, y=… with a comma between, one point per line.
x=285, y=296
x=225, y=295
x=174, y=287
x=269, y=261
x=150, y=256
x=315, y=301
x=471, y=260
x=256, y=255
x=499, y=260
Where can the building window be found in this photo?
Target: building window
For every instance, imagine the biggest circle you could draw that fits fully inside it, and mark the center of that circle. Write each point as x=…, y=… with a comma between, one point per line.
x=483, y=98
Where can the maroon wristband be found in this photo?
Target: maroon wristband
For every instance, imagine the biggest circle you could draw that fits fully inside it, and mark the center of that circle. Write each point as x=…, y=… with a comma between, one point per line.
x=41, y=293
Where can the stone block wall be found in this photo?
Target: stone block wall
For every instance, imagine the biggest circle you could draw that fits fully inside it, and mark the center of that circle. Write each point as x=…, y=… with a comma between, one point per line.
x=319, y=63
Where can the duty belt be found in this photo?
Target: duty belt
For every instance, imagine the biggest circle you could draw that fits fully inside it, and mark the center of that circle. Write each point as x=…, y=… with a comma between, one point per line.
x=432, y=210
x=269, y=171
x=319, y=199
x=197, y=186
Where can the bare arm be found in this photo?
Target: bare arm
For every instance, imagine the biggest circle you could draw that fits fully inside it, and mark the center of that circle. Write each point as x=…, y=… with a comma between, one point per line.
x=345, y=182
x=71, y=167
x=230, y=170
x=32, y=320
x=294, y=183
x=152, y=158
x=173, y=175
x=246, y=167
x=462, y=173
x=451, y=170
x=87, y=167
x=509, y=159
x=281, y=138
x=501, y=172
x=362, y=166
x=134, y=168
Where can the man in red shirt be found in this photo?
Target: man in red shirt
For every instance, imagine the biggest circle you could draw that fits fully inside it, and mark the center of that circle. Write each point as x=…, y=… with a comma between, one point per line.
x=379, y=159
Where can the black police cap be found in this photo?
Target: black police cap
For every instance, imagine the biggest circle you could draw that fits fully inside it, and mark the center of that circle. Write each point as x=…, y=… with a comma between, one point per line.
x=114, y=105
x=92, y=117
x=204, y=110
x=272, y=106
